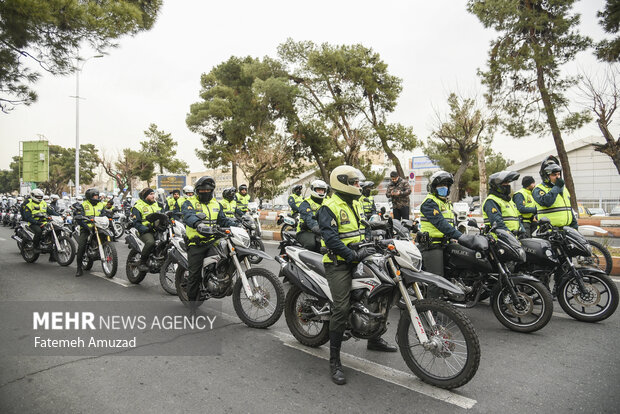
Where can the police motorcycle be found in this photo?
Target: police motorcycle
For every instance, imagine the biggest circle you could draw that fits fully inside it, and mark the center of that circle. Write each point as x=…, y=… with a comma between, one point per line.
x=55, y=240
x=490, y=269
x=177, y=252
x=436, y=340
x=288, y=223
x=165, y=227
x=99, y=245
x=252, y=225
x=257, y=294
x=586, y=293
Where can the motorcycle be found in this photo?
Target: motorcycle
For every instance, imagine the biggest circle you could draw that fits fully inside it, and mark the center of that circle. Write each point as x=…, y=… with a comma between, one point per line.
x=252, y=226
x=177, y=253
x=55, y=240
x=436, y=340
x=99, y=245
x=519, y=301
x=601, y=257
x=288, y=223
x=587, y=294
x=118, y=223
x=253, y=289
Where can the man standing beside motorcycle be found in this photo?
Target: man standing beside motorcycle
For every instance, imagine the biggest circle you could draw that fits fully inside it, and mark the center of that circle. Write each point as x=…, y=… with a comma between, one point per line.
x=201, y=246
x=398, y=191
x=140, y=211
x=35, y=206
x=91, y=207
x=552, y=197
x=340, y=223
x=308, y=232
x=498, y=208
x=295, y=199
x=525, y=204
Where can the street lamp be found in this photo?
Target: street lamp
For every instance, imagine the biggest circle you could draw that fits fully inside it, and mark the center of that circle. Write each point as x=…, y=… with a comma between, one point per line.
x=77, y=117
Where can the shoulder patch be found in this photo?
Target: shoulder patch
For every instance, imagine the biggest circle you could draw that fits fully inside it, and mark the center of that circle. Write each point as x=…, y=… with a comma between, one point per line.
x=190, y=207
x=307, y=210
x=541, y=192
x=344, y=217
x=145, y=210
x=493, y=210
x=435, y=212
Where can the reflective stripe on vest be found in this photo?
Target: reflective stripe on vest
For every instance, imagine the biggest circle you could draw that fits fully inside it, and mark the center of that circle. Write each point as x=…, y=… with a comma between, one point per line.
x=528, y=201
x=367, y=203
x=445, y=209
x=92, y=211
x=229, y=207
x=243, y=201
x=509, y=212
x=559, y=213
x=145, y=209
x=350, y=228
x=314, y=206
x=211, y=210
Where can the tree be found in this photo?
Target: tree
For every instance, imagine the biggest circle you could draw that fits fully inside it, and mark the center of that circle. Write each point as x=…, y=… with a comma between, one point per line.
x=129, y=166
x=523, y=78
x=459, y=135
x=50, y=33
x=161, y=148
x=602, y=97
x=9, y=179
x=609, y=18
x=62, y=167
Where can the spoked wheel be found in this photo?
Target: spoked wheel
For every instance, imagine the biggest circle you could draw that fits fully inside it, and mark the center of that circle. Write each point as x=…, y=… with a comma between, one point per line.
x=28, y=253
x=265, y=307
x=134, y=275
x=451, y=356
x=598, y=302
x=118, y=229
x=180, y=281
x=258, y=245
x=303, y=324
x=285, y=228
x=601, y=258
x=167, y=276
x=66, y=254
x=109, y=261
x=530, y=312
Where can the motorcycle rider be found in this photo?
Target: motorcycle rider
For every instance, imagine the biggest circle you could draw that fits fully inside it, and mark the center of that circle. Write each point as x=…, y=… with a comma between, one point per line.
x=54, y=203
x=295, y=199
x=35, y=206
x=242, y=198
x=368, y=201
x=498, y=206
x=201, y=246
x=308, y=227
x=174, y=202
x=552, y=197
x=525, y=203
x=229, y=205
x=139, y=213
x=188, y=191
x=91, y=207
x=340, y=224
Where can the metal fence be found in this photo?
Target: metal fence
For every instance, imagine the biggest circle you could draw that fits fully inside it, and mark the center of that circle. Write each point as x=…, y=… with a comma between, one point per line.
x=605, y=204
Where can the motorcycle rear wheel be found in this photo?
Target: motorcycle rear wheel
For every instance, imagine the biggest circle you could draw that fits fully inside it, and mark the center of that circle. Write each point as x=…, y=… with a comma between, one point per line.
x=180, y=281
x=134, y=275
x=307, y=331
x=456, y=341
x=600, y=288
x=271, y=291
x=532, y=314
x=601, y=258
x=167, y=276
x=65, y=258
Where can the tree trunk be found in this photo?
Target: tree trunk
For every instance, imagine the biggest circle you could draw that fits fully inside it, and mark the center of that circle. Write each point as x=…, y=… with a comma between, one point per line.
x=482, y=173
x=234, y=174
x=321, y=164
x=390, y=154
x=612, y=148
x=557, y=136
x=456, y=187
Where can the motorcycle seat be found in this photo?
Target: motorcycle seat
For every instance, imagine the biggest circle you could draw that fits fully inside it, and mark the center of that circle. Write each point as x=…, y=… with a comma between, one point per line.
x=314, y=261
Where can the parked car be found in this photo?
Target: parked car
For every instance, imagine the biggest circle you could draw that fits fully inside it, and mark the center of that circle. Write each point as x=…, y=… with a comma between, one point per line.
x=583, y=211
x=615, y=211
x=597, y=212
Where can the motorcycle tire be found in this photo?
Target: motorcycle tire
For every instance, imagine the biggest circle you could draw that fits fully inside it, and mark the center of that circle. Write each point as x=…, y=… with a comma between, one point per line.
x=266, y=302
x=118, y=229
x=258, y=245
x=109, y=263
x=29, y=255
x=167, y=276
x=87, y=263
x=66, y=243
x=529, y=319
x=131, y=268
x=286, y=227
x=601, y=258
x=180, y=279
x=598, y=285
x=297, y=325
x=449, y=322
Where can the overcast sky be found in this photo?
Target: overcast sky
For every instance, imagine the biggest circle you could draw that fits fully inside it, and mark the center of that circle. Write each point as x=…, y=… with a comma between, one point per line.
x=434, y=46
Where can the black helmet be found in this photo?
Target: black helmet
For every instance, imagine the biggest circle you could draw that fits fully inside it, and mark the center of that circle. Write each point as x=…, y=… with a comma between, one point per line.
x=297, y=188
x=205, y=182
x=229, y=193
x=497, y=180
x=550, y=165
x=439, y=179
x=366, y=187
x=91, y=193
x=243, y=187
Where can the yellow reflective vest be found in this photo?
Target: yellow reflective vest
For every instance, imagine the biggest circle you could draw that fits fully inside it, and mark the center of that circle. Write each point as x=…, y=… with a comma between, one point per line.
x=35, y=208
x=92, y=210
x=211, y=210
x=528, y=201
x=509, y=212
x=350, y=228
x=229, y=207
x=242, y=202
x=445, y=209
x=560, y=212
x=145, y=209
x=314, y=206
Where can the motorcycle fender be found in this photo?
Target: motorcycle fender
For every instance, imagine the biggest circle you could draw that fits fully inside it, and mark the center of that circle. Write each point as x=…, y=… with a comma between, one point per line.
x=180, y=258
x=302, y=281
x=244, y=251
x=409, y=276
x=132, y=242
x=591, y=270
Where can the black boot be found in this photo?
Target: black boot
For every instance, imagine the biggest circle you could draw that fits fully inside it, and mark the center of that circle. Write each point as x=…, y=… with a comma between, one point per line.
x=379, y=344
x=79, y=271
x=335, y=367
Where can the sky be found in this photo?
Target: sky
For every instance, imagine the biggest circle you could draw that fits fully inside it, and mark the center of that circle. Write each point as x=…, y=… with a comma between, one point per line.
x=435, y=47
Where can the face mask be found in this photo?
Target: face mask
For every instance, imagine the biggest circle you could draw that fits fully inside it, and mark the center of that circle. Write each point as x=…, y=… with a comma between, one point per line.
x=205, y=197
x=442, y=191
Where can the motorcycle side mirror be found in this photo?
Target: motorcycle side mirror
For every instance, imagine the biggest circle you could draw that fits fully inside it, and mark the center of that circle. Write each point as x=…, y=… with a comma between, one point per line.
x=472, y=223
x=383, y=210
x=201, y=216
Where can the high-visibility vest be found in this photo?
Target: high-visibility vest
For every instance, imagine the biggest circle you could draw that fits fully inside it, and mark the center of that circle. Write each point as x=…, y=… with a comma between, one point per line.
x=36, y=209
x=445, y=209
x=173, y=204
x=509, y=211
x=92, y=210
x=367, y=203
x=242, y=202
x=145, y=209
x=559, y=213
x=314, y=206
x=229, y=207
x=528, y=201
x=212, y=209
x=298, y=200
x=350, y=227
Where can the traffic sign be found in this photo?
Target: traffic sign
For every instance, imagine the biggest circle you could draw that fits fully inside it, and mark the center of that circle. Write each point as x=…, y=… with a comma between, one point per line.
x=412, y=175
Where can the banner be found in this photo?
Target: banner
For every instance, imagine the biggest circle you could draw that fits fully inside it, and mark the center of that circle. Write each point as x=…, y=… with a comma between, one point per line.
x=35, y=161
x=171, y=182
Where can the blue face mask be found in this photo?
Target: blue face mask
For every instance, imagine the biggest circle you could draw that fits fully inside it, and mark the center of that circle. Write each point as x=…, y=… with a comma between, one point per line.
x=442, y=191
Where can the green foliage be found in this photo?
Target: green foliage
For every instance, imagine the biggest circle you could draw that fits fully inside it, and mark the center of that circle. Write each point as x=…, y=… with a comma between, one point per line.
x=161, y=148
x=9, y=179
x=609, y=18
x=62, y=167
x=50, y=32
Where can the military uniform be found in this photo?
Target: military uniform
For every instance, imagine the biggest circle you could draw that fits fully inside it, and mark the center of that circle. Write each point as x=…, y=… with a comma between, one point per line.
x=242, y=202
x=400, y=202
x=368, y=203
x=294, y=201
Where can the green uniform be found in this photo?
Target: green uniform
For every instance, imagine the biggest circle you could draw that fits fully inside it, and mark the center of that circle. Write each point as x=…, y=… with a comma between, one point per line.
x=307, y=220
x=141, y=210
x=444, y=209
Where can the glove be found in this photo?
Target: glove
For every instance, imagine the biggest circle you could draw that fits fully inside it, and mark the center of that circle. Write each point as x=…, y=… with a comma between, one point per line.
x=316, y=230
x=362, y=253
x=559, y=182
x=204, y=229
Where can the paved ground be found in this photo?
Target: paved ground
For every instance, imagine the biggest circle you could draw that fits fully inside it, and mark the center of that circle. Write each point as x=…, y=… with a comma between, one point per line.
x=568, y=366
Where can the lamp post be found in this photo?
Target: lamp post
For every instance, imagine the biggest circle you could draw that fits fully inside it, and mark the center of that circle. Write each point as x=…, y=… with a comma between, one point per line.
x=77, y=118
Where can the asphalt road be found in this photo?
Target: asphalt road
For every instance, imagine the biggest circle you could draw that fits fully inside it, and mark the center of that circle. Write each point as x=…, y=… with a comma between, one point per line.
x=568, y=366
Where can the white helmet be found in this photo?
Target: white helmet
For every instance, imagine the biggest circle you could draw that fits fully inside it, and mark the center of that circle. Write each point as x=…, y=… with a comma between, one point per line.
x=345, y=179
x=79, y=198
x=110, y=197
x=318, y=184
x=101, y=196
x=37, y=195
x=46, y=197
x=20, y=199
x=54, y=197
x=188, y=189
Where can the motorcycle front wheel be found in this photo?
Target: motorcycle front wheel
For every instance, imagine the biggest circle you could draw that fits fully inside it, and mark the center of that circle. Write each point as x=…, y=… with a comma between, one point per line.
x=532, y=311
x=258, y=245
x=167, y=276
x=134, y=275
x=599, y=301
x=266, y=306
x=66, y=254
x=109, y=261
x=451, y=357
x=301, y=321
